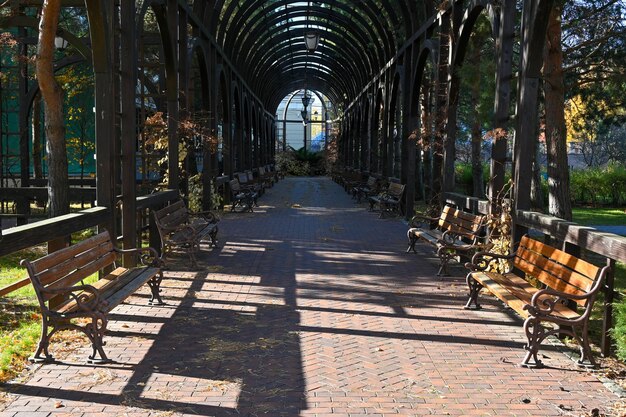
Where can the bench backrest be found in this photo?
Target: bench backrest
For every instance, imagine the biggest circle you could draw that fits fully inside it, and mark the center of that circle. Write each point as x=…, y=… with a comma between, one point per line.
x=242, y=177
x=352, y=176
x=372, y=181
x=395, y=190
x=461, y=222
x=68, y=266
x=172, y=216
x=556, y=269
x=234, y=185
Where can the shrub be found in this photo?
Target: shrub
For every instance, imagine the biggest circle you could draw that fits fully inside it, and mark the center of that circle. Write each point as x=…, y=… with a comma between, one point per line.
x=619, y=314
x=594, y=186
x=465, y=179
x=300, y=162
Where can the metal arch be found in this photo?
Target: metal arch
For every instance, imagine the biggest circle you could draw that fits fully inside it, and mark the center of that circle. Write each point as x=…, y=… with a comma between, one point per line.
x=295, y=93
x=198, y=48
x=276, y=98
x=235, y=93
x=169, y=53
x=329, y=83
x=27, y=21
x=339, y=22
x=289, y=100
x=372, y=14
x=348, y=41
x=472, y=13
x=213, y=17
x=429, y=49
x=223, y=92
x=275, y=53
x=283, y=89
x=281, y=86
x=396, y=90
x=330, y=78
x=363, y=9
x=347, y=59
x=323, y=63
x=220, y=26
x=275, y=56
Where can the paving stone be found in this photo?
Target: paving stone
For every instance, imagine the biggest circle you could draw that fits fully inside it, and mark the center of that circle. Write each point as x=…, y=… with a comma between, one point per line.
x=311, y=311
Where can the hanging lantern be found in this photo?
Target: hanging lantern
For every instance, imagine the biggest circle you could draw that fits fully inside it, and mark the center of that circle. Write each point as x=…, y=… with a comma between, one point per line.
x=60, y=43
x=311, y=41
x=306, y=99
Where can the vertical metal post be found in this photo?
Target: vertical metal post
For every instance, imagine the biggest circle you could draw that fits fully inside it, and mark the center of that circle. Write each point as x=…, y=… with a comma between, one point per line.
x=128, y=80
x=172, y=94
x=607, y=322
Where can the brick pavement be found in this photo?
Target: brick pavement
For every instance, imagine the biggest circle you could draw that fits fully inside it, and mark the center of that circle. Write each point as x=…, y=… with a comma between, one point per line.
x=309, y=307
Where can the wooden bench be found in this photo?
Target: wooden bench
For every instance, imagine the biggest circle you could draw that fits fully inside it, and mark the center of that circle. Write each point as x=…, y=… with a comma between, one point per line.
x=367, y=189
x=180, y=228
x=454, y=233
x=389, y=200
x=266, y=177
x=351, y=179
x=571, y=284
x=247, y=181
x=66, y=302
x=244, y=198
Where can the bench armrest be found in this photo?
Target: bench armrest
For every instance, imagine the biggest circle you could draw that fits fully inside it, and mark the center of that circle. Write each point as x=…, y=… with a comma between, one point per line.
x=463, y=247
x=481, y=260
x=87, y=297
x=244, y=189
x=420, y=219
x=148, y=256
x=449, y=237
x=167, y=230
x=208, y=215
x=545, y=301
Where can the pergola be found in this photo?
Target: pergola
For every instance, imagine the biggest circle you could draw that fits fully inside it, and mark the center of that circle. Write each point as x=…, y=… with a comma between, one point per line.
x=235, y=61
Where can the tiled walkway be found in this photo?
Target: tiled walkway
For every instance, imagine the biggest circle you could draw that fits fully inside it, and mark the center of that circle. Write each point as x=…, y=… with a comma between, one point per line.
x=310, y=307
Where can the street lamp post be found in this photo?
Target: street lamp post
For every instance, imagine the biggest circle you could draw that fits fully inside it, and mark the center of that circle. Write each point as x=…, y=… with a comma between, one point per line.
x=311, y=41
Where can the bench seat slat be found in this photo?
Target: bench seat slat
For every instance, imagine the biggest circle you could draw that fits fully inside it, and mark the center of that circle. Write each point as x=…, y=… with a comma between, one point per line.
x=516, y=292
x=136, y=279
x=432, y=236
x=115, y=287
x=112, y=280
x=553, y=274
x=458, y=221
x=177, y=205
x=564, y=258
x=54, y=258
x=67, y=266
x=173, y=219
x=81, y=274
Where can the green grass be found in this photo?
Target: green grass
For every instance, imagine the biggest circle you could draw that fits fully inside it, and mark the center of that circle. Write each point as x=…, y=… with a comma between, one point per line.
x=19, y=315
x=20, y=320
x=599, y=216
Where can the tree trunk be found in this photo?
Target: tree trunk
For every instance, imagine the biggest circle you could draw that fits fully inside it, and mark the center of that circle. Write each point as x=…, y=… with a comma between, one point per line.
x=52, y=95
x=559, y=203
x=427, y=178
x=36, y=114
x=536, y=191
x=477, y=160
